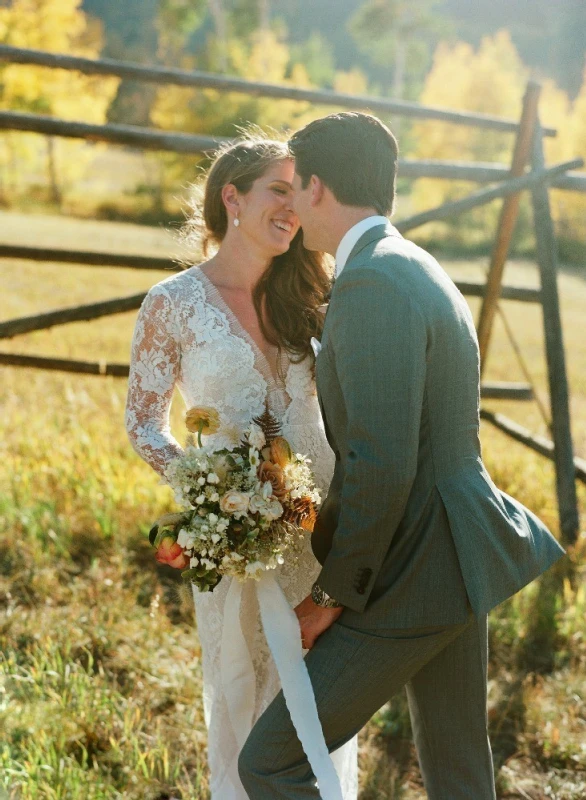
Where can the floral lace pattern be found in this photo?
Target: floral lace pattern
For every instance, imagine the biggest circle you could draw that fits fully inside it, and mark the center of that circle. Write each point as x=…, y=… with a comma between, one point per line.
x=186, y=336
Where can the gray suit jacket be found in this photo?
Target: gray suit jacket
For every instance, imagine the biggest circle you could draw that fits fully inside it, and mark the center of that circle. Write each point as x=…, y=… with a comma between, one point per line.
x=413, y=528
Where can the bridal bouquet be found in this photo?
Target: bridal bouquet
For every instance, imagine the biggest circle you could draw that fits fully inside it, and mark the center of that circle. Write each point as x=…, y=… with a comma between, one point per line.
x=243, y=509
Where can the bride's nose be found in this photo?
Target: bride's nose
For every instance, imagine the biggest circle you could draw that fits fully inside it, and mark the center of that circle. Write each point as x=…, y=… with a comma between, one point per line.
x=288, y=202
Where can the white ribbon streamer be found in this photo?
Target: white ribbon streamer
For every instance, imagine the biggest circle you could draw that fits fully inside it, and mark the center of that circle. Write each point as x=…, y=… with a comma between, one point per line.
x=284, y=639
x=236, y=667
x=283, y=636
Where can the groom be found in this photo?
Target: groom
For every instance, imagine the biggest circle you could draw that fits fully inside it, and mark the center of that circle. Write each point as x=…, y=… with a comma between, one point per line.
x=416, y=542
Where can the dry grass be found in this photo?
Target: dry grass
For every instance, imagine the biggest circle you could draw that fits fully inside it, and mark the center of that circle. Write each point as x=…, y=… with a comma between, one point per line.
x=101, y=688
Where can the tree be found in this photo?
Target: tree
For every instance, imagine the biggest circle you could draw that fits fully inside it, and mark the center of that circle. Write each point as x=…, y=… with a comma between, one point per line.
x=59, y=26
x=491, y=80
x=176, y=21
x=570, y=208
x=398, y=33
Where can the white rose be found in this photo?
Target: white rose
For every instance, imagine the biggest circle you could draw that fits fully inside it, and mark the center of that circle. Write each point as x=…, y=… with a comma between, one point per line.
x=258, y=504
x=256, y=437
x=234, y=502
x=274, y=509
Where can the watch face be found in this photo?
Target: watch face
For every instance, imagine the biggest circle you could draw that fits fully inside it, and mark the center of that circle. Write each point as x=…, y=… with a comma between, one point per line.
x=321, y=598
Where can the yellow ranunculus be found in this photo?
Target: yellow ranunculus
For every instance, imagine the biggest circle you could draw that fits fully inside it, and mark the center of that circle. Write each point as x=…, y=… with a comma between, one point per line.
x=202, y=419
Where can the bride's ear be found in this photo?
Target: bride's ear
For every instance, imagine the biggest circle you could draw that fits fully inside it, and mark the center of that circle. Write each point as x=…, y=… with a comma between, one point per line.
x=230, y=199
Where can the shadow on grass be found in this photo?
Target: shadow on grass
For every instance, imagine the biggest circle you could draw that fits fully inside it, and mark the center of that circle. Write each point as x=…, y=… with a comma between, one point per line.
x=539, y=650
x=152, y=578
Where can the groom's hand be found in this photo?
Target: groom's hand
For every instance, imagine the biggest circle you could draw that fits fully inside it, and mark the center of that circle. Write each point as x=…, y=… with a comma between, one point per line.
x=314, y=620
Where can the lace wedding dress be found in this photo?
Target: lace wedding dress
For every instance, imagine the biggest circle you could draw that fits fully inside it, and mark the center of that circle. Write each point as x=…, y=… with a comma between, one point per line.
x=186, y=335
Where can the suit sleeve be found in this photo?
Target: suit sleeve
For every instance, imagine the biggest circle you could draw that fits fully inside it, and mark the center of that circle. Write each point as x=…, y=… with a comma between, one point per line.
x=378, y=340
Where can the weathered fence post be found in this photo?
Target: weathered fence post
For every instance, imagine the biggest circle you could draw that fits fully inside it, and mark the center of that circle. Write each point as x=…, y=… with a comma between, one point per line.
x=507, y=219
x=554, y=348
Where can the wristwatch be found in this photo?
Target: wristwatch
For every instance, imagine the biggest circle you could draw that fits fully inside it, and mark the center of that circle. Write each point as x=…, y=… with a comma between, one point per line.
x=321, y=598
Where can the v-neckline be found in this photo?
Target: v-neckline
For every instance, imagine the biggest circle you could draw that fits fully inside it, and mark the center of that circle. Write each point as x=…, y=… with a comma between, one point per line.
x=261, y=361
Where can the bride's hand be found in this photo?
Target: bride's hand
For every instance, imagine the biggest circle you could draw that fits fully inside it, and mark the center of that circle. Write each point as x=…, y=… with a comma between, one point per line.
x=314, y=620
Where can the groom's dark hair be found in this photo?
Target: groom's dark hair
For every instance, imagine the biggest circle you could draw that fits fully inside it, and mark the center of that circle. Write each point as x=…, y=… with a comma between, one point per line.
x=353, y=154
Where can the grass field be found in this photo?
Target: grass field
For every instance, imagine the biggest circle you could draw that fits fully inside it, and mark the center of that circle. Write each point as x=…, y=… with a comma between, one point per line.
x=101, y=690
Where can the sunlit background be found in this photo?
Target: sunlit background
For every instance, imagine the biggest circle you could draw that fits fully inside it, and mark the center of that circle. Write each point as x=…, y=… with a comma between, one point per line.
x=100, y=694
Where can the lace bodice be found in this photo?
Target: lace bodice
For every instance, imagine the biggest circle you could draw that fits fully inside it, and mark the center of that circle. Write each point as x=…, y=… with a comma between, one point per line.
x=186, y=336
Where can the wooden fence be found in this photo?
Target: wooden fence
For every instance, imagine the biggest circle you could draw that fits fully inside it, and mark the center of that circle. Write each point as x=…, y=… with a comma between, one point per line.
x=527, y=172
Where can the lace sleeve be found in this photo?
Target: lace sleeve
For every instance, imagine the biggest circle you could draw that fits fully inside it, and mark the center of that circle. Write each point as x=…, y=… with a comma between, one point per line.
x=154, y=366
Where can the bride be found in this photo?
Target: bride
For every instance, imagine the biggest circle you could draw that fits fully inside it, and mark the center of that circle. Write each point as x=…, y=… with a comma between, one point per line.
x=234, y=333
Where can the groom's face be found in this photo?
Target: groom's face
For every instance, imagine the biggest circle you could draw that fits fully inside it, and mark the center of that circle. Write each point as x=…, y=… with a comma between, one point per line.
x=303, y=208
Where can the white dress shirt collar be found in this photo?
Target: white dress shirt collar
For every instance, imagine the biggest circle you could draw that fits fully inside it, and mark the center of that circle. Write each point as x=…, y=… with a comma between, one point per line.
x=352, y=236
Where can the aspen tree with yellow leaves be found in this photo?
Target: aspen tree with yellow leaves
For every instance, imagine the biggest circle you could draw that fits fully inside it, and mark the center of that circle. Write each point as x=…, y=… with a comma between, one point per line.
x=59, y=26
x=492, y=80
x=263, y=56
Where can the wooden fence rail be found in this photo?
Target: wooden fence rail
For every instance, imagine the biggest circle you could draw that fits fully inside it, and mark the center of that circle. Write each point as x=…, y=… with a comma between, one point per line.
x=205, y=80
x=489, y=391
x=478, y=173
x=85, y=257
x=129, y=135
x=538, y=444
x=524, y=294
x=484, y=196
x=65, y=365
x=83, y=313
x=38, y=322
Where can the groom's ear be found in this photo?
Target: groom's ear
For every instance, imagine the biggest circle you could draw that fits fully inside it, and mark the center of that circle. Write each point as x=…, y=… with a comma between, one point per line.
x=316, y=190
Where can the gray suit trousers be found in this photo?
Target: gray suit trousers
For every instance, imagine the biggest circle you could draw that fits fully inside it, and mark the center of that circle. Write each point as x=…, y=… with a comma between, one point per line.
x=355, y=672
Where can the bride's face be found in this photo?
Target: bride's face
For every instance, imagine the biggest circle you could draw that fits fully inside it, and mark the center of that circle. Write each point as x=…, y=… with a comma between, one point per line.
x=266, y=214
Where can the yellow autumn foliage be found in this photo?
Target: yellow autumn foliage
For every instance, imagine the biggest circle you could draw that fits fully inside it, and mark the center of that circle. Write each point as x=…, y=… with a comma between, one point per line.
x=57, y=26
x=492, y=80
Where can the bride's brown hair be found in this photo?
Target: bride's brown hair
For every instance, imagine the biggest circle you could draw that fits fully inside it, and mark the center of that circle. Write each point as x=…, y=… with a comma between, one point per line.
x=289, y=294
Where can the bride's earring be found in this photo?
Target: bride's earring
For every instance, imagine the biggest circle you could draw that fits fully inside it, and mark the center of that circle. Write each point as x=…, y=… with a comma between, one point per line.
x=236, y=222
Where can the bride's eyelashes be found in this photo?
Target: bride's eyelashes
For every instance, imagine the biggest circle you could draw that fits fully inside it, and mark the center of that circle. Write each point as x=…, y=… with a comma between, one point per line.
x=282, y=188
